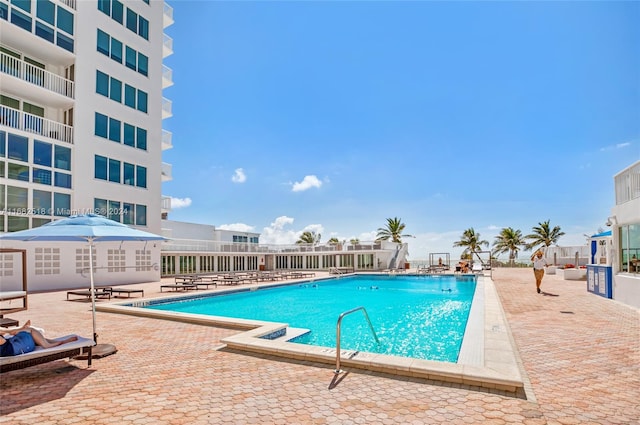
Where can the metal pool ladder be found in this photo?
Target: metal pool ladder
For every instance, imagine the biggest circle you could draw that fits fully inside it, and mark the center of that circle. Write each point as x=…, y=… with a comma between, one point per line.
x=366, y=316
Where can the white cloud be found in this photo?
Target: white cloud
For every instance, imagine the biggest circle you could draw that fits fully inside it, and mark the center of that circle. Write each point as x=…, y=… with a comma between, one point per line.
x=238, y=227
x=177, y=203
x=239, y=176
x=276, y=233
x=307, y=183
x=616, y=146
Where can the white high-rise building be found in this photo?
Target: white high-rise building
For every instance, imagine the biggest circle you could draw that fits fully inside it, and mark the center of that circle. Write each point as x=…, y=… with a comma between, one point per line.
x=81, y=110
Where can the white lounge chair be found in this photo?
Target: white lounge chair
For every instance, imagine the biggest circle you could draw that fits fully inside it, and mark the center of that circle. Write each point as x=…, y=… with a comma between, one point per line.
x=44, y=355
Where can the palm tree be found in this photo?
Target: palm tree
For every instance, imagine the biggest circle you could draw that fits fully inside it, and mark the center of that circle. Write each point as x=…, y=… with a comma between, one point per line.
x=354, y=241
x=543, y=234
x=472, y=243
x=509, y=240
x=309, y=238
x=334, y=241
x=393, y=231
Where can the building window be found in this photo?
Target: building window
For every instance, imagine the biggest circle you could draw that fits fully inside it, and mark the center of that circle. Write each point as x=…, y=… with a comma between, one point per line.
x=132, y=20
x=141, y=142
x=62, y=180
x=130, y=58
x=22, y=4
x=102, y=83
x=117, y=11
x=114, y=130
x=114, y=170
x=128, y=171
x=62, y=158
x=105, y=6
x=630, y=248
x=46, y=11
x=114, y=211
x=37, y=222
x=44, y=31
x=143, y=28
x=18, y=147
x=127, y=213
x=16, y=198
x=143, y=64
x=129, y=135
x=115, y=89
x=129, y=96
x=104, y=42
x=116, y=50
x=141, y=176
x=101, y=125
x=18, y=172
x=100, y=164
x=100, y=206
x=4, y=14
x=41, y=176
x=142, y=101
x=62, y=204
x=141, y=215
x=41, y=202
x=42, y=153
x=65, y=20
x=65, y=42
x=17, y=223
x=21, y=20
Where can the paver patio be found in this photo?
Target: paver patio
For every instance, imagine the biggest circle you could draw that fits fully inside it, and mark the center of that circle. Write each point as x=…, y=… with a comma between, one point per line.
x=580, y=352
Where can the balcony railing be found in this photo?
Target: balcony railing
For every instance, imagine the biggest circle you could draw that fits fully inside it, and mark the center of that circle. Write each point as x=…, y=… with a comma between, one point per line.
x=167, y=136
x=166, y=171
x=166, y=203
x=166, y=108
x=32, y=74
x=244, y=247
x=627, y=184
x=167, y=77
x=167, y=18
x=70, y=3
x=32, y=123
x=167, y=46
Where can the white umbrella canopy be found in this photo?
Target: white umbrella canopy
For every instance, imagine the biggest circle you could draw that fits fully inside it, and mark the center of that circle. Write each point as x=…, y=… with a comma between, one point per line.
x=84, y=228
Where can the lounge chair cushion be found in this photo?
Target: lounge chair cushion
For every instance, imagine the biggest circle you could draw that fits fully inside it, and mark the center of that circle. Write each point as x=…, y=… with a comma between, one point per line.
x=81, y=342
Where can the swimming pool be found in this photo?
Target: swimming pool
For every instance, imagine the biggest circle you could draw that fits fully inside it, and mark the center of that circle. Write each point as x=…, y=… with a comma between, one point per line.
x=488, y=357
x=422, y=317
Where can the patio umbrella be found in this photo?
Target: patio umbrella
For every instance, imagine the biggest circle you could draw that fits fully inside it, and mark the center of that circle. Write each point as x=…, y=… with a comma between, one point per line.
x=84, y=228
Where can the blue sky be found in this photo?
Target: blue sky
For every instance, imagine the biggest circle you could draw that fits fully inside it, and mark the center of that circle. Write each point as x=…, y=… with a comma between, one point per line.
x=333, y=116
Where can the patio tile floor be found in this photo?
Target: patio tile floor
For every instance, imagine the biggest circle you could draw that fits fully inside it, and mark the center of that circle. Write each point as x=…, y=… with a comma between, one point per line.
x=580, y=352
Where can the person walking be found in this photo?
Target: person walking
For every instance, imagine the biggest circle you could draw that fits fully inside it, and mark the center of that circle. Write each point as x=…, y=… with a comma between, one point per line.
x=539, y=263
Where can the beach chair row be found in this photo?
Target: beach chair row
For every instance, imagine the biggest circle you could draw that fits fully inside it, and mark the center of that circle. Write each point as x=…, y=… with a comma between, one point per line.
x=204, y=281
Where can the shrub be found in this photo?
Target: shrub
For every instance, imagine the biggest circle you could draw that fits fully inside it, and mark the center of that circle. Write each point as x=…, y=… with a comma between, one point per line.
x=569, y=266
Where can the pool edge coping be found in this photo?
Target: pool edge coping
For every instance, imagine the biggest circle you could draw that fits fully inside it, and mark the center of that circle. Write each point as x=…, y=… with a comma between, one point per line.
x=496, y=366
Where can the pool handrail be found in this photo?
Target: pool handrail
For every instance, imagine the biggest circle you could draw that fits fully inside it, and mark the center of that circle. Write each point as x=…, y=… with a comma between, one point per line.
x=338, y=326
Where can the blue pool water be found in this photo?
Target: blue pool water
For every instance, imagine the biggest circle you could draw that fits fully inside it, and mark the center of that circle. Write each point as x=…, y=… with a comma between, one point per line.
x=414, y=316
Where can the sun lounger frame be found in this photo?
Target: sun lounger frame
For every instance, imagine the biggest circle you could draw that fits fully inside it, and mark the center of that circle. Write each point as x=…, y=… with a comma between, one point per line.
x=125, y=291
x=100, y=293
x=46, y=355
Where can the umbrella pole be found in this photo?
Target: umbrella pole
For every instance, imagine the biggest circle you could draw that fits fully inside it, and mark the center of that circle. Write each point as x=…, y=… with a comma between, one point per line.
x=93, y=290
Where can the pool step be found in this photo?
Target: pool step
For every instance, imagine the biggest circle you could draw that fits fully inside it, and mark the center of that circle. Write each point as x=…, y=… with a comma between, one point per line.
x=292, y=333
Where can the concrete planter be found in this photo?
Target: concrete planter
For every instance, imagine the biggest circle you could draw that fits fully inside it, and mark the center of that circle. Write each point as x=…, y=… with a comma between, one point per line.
x=575, y=274
x=551, y=270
